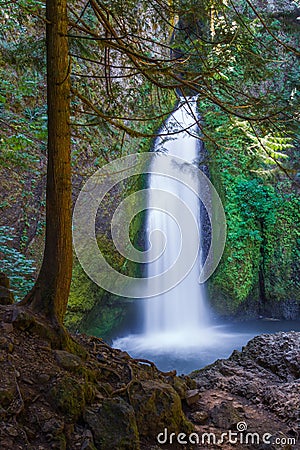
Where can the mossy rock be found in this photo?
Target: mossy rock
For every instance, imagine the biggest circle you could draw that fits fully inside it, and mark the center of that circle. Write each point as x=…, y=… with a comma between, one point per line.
x=113, y=424
x=68, y=397
x=89, y=392
x=180, y=386
x=68, y=361
x=157, y=406
x=90, y=308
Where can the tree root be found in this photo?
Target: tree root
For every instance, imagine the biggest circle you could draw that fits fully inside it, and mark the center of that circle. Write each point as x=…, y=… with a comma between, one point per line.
x=171, y=373
x=23, y=318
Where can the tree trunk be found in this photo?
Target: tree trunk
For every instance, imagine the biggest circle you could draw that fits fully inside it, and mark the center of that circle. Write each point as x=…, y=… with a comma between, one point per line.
x=50, y=294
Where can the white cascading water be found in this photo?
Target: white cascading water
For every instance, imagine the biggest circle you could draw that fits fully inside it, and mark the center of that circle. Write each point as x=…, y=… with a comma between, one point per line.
x=182, y=309
x=176, y=328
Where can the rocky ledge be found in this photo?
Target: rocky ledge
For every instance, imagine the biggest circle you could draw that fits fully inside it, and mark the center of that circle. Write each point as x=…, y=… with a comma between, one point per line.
x=95, y=398
x=254, y=393
x=101, y=398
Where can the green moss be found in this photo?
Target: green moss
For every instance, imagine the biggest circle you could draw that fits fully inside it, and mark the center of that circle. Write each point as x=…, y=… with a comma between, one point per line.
x=82, y=298
x=123, y=435
x=90, y=308
x=89, y=393
x=282, y=252
x=67, y=396
x=260, y=263
x=85, y=295
x=104, y=318
x=156, y=404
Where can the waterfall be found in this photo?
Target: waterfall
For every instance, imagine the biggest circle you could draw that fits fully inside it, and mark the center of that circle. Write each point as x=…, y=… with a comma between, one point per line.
x=175, y=328
x=175, y=322
x=183, y=308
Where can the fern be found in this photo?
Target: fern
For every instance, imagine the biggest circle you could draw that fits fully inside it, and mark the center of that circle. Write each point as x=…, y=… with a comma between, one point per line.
x=270, y=148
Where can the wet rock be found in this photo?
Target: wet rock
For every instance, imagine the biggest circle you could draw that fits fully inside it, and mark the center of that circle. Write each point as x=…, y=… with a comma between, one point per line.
x=265, y=375
x=123, y=435
x=157, y=404
x=277, y=353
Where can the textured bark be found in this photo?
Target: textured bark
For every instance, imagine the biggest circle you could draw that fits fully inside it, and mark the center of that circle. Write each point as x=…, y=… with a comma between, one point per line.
x=50, y=293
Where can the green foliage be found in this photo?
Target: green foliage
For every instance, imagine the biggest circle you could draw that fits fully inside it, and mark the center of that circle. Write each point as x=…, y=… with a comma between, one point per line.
x=269, y=148
x=83, y=296
x=90, y=308
x=22, y=85
x=249, y=159
x=15, y=265
x=262, y=211
x=282, y=250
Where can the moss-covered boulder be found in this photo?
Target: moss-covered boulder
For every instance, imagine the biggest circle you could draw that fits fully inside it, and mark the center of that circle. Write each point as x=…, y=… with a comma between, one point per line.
x=89, y=303
x=157, y=406
x=67, y=395
x=123, y=435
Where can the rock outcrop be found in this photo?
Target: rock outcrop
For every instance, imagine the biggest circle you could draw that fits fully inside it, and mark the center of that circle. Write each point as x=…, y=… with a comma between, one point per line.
x=256, y=390
x=103, y=399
